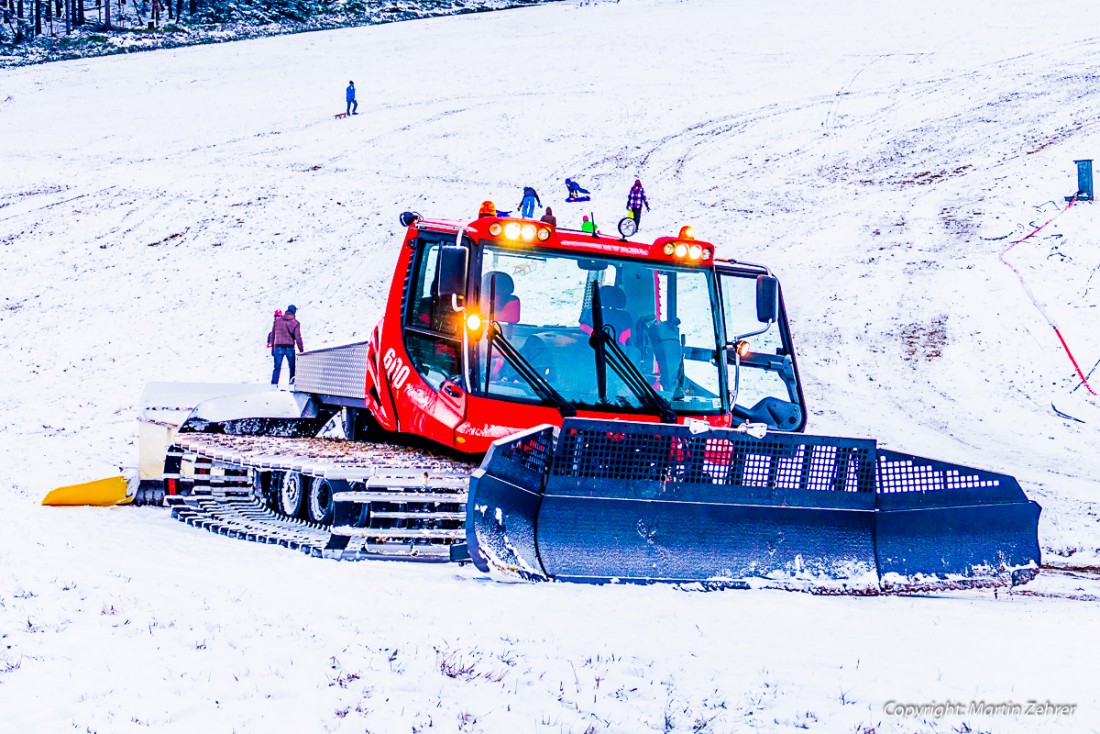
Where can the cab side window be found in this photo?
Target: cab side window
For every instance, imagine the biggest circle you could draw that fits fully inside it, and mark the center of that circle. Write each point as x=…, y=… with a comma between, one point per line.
x=431, y=325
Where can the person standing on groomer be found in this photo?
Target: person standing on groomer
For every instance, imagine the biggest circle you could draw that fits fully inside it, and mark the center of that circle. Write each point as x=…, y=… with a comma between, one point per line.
x=286, y=334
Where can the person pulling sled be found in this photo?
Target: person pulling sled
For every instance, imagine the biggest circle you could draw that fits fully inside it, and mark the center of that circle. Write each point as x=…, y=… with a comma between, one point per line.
x=349, y=95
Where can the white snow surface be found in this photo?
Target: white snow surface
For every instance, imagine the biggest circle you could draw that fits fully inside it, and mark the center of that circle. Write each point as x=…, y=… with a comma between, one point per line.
x=155, y=209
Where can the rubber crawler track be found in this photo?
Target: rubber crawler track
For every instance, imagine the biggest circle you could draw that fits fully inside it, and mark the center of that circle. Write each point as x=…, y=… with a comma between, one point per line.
x=407, y=504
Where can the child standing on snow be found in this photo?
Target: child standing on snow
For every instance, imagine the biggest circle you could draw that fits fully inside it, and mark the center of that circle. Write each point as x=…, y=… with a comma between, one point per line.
x=271, y=334
x=527, y=206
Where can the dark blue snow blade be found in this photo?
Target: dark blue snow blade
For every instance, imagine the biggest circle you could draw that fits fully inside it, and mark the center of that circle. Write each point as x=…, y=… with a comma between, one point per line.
x=602, y=501
x=509, y=498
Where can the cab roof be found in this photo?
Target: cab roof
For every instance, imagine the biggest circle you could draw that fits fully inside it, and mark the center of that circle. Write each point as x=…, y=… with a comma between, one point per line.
x=526, y=234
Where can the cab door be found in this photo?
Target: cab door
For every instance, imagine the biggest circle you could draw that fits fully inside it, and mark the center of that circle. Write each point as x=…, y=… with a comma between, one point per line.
x=761, y=371
x=431, y=400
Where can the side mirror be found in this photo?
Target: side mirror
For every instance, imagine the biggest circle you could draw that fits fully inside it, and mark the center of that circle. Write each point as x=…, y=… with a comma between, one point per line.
x=451, y=273
x=767, y=299
x=408, y=219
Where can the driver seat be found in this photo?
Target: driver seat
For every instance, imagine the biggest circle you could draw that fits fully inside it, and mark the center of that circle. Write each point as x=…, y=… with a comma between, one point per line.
x=615, y=315
x=506, y=306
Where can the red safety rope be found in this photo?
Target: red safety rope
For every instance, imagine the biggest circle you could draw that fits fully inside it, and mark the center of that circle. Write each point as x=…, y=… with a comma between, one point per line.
x=1035, y=301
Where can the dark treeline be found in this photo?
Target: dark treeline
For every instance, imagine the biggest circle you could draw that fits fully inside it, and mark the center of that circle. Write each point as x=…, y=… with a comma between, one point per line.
x=66, y=28
x=25, y=20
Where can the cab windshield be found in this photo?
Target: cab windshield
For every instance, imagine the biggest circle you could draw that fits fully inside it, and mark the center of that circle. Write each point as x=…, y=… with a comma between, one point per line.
x=540, y=305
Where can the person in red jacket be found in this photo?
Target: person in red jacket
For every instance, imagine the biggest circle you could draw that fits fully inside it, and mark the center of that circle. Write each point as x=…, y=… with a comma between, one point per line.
x=286, y=333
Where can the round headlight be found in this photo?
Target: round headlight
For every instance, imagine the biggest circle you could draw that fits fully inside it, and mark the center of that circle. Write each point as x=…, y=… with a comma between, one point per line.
x=473, y=322
x=706, y=254
x=529, y=233
x=695, y=252
x=544, y=234
x=681, y=250
x=511, y=231
x=669, y=248
x=495, y=229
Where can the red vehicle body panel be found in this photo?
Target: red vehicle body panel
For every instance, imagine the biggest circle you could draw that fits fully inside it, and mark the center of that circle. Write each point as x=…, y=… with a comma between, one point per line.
x=402, y=401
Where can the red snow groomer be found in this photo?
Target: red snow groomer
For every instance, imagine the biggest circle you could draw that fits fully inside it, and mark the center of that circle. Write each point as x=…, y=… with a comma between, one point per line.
x=639, y=411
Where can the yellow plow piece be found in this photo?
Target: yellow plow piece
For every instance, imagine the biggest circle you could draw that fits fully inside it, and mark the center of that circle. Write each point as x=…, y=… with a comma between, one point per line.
x=100, y=493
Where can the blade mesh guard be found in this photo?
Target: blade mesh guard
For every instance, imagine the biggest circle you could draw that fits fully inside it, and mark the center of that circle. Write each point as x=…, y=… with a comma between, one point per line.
x=647, y=502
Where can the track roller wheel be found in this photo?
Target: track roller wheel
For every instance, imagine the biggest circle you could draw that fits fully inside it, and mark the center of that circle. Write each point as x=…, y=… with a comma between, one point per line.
x=319, y=501
x=361, y=518
x=263, y=488
x=359, y=425
x=291, y=496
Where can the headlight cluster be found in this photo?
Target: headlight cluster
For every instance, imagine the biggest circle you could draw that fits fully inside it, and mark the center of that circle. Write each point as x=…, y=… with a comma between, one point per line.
x=684, y=251
x=520, y=232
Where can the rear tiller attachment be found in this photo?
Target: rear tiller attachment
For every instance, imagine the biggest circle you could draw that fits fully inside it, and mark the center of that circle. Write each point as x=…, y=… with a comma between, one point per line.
x=599, y=501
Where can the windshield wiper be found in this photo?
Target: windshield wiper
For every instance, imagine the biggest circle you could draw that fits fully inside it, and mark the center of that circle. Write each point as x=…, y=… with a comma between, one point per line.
x=525, y=370
x=633, y=378
x=608, y=352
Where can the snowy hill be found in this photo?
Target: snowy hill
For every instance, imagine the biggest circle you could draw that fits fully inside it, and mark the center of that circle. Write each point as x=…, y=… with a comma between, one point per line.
x=155, y=208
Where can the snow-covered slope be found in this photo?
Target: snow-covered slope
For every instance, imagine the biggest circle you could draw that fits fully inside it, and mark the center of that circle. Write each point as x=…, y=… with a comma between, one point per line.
x=155, y=208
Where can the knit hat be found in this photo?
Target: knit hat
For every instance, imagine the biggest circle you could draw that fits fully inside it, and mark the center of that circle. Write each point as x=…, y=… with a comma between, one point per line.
x=292, y=308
